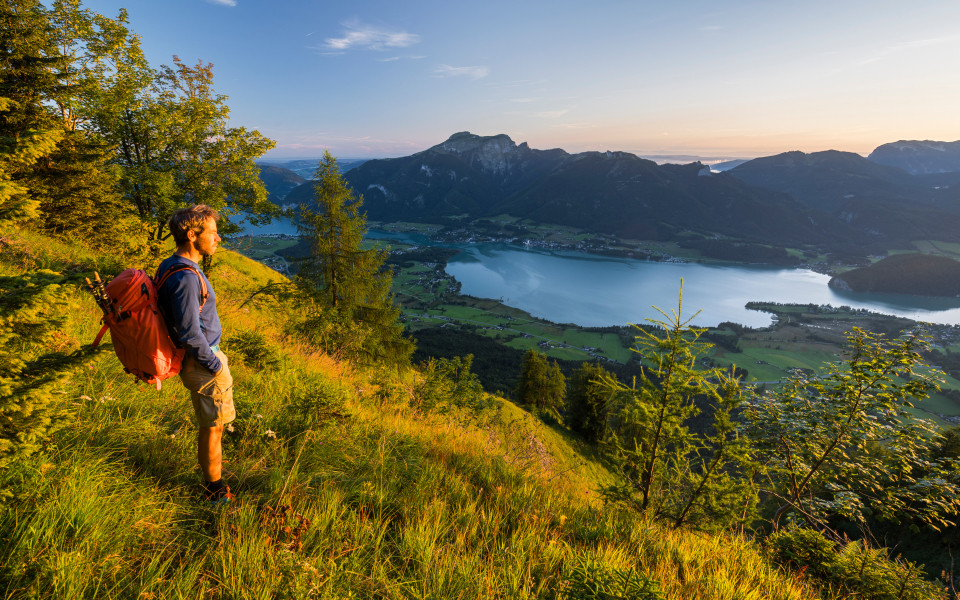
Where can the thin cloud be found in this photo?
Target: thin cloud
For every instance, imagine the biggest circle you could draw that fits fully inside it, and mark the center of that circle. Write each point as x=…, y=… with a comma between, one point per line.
x=223, y=2
x=551, y=114
x=477, y=72
x=894, y=50
x=368, y=37
x=523, y=100
x=937, y=41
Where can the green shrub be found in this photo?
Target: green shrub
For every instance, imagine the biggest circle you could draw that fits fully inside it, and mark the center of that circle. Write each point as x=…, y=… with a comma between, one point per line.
x=449, y=383
x=589, y=580
x=854, y=567
x=314, y=402
x=253, y=349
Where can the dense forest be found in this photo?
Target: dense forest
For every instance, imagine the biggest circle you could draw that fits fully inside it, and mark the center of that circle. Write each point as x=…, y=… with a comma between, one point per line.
x=921, y=274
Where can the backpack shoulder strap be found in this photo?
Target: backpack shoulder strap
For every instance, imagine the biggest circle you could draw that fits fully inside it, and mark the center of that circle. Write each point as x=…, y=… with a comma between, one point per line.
x=181, y=267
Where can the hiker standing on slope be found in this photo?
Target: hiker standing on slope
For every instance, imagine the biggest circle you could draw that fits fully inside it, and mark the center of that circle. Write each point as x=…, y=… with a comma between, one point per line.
x=189, y=307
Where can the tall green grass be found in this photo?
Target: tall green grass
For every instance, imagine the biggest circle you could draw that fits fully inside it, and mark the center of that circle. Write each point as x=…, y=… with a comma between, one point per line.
x=344, y=491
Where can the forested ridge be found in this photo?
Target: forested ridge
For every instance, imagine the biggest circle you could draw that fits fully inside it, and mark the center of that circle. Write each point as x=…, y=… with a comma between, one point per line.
x=363, y=472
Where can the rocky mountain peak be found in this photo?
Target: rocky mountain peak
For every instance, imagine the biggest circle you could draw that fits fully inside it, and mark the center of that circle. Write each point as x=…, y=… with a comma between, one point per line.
x=495, y=153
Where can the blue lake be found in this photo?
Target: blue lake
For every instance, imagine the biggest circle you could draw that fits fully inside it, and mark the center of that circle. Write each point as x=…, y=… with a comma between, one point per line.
x=595, y=291
x=592, y=291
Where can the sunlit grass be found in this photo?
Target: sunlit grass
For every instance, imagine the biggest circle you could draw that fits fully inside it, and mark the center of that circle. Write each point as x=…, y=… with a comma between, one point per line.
x=343, y=490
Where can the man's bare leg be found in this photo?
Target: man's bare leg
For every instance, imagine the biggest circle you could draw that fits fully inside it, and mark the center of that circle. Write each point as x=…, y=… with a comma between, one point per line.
x=210, y=452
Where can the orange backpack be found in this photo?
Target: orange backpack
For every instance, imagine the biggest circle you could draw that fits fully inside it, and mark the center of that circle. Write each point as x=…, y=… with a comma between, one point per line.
x=139, y=334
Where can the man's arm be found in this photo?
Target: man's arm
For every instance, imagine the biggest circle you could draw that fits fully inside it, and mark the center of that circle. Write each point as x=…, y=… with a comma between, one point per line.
x=184, y=293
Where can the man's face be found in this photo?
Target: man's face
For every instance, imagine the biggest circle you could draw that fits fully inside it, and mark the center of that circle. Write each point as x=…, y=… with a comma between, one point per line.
x=207, y=241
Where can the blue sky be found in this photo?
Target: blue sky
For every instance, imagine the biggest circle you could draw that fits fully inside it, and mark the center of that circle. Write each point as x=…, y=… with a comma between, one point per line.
x=688, y=77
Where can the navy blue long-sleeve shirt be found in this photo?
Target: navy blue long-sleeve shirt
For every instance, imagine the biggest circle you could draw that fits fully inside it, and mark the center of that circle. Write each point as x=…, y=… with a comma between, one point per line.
x=179, y=300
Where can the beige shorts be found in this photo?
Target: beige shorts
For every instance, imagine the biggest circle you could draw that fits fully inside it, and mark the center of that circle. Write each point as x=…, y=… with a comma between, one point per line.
x=211, y=393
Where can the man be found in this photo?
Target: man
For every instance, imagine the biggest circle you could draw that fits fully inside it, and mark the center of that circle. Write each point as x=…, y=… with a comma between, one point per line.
x=189, y=305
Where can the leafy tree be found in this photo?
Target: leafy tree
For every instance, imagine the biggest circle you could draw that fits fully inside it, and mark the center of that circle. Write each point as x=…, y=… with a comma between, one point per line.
x=175, y=149
x=665, y=469
x=167, y=127
x=541, y=386
x=352, y=311
x=587, y=401
x=844, y=444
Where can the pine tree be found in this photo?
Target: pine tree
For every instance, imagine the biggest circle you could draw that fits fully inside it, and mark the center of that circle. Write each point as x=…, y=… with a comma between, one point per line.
x=667, y=470
x=51, y=171
x=77, y=185
x=349, y=285
x=587, y=401
x=30, y=74
x=542, y=385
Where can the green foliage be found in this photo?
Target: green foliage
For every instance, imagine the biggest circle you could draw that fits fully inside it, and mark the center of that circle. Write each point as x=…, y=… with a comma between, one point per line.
x=844, y=445
x=33, y=309
x=590, y=580
x=313, y=402
x=168, y=128
x=366, y=501
x=350, y=311
x=253, y=348
x=588, y=400
x=853, y=568
x=30, y=73
x=449, y=383
x=176, y=149
x=666, y=469
x=541, y=386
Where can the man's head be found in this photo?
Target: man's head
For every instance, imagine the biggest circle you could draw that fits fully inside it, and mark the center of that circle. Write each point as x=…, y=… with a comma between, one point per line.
x=195, y=227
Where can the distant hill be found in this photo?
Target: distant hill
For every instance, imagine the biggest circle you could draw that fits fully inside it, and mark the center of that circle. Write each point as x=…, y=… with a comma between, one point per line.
x=305, y=167
x=279, y=181
x=827, y=180
x=920, y=274
x=611, y=192
x=919, y=157
x=728, y=164
x=881, y=203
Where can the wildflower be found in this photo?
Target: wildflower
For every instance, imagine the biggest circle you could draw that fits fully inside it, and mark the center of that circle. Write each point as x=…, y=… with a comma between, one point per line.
x=258, y=416
x=230, y=428
x=270, y=434
x=85, y=397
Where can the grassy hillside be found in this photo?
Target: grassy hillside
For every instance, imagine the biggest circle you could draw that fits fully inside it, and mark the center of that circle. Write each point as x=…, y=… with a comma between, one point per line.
x=344, y=490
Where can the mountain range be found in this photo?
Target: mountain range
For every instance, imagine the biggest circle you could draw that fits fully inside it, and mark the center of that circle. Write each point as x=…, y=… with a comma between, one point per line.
x=830, y=200
x=919, y=157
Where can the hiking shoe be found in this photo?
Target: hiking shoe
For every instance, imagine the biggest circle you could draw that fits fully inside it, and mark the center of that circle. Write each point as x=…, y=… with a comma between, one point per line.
x=222, y=498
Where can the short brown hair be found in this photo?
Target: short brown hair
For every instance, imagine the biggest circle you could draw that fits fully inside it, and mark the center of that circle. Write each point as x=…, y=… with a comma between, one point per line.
x=191, y=218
